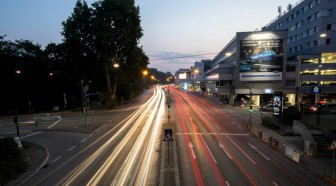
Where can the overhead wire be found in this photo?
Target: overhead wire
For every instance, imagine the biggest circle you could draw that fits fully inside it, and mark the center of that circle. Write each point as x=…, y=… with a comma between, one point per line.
x=158, y=59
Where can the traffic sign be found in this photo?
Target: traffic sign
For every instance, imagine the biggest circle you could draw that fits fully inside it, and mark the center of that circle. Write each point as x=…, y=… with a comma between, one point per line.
x=332, y=146
x=168, y=135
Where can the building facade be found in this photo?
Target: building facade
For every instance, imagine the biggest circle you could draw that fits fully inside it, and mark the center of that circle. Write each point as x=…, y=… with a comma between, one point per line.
x=311, y=41
x=293, y=57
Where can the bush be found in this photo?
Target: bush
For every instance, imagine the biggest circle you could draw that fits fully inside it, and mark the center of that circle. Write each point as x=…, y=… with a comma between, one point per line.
x=270, y=122
x=12, y=162
x=290, y=114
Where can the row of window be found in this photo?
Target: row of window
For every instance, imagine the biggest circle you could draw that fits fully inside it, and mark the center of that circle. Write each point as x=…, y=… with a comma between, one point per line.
x=322, y=72
x=292, y=83
x=309, y=45
x=304, y=34
x=303, y=10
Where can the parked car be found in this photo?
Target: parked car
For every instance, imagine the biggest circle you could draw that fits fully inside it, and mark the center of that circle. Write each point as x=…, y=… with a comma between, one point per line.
x=46, y=117
x=265, y=56
x=324, y=108
x=269, y=107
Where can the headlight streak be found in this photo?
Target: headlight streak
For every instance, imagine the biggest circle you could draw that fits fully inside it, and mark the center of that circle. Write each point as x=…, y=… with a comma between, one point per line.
x=154, y=135
x=128, y=121
x=100, y=173
x=132, y=165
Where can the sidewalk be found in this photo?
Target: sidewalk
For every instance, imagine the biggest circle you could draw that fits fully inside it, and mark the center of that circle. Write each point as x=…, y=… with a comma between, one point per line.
x=320, y=166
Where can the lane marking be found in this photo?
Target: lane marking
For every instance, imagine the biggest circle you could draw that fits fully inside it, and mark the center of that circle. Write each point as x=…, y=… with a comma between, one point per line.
x=84, y=140
x=223, y=148
x=241, y=150
x=191, y=146
x=55, y=123
x=257, y=150
x=72, y=148
x=53, y=161
x=275, y=184
x=209, y=150
x=31, y=134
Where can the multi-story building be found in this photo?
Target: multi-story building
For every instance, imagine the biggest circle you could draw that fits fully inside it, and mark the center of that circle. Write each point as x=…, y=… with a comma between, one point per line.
x=311, y=51
x=250, y=67
x=183, y=79
x=293, y=57
x=197, y=73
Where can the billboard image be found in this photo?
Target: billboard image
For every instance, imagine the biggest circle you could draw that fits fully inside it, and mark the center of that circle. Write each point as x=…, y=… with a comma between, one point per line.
x=261, y=60
x=183, y=76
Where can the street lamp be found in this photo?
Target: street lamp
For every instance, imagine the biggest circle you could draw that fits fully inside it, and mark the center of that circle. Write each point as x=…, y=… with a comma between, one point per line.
x=145, y=73
x=195, y=74
x=116, y=65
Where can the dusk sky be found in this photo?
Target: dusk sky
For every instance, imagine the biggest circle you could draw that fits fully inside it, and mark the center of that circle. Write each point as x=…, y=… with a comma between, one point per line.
x=171, y=28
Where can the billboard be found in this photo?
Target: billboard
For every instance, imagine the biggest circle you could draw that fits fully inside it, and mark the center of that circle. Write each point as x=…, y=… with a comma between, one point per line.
x=261, y=60
x=183, y=76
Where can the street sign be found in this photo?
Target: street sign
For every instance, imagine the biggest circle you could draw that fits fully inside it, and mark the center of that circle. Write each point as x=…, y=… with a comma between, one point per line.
x=332, y=146
x=168, y=135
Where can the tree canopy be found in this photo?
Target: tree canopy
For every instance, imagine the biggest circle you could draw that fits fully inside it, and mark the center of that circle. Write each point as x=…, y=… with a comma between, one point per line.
x=100, y=51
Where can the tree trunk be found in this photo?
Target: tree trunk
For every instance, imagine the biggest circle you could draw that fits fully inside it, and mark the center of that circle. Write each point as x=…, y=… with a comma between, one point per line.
x=111, y=88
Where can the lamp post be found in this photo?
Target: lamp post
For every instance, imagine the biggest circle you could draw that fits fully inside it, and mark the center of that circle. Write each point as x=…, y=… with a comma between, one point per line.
x=195, y=75
x=250, y=94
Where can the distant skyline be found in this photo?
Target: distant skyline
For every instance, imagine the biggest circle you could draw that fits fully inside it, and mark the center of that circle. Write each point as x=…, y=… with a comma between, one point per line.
x=172, y=29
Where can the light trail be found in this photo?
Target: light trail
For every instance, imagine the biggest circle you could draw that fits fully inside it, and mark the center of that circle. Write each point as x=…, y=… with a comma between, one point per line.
x=212, y=160
x=134, y=121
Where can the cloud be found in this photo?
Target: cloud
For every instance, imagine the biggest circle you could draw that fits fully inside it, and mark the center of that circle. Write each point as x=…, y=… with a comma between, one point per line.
x=173, y=61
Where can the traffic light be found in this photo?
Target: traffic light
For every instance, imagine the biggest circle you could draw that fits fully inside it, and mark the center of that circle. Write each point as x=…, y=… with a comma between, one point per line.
x=168, y=106
x=217, y=84
x=251, y=110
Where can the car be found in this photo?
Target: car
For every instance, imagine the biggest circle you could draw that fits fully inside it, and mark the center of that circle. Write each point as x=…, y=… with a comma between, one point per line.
x=324, y=108
x=46, y=117
x=269, y=107
x=265, y=56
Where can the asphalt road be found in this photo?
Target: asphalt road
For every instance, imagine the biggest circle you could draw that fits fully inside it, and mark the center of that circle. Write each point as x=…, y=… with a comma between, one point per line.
x=214, y=148
x=125, y=146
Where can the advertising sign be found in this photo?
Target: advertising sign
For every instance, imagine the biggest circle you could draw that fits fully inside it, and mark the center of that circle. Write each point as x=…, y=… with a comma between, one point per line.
x=261, y=60
x=277, y=103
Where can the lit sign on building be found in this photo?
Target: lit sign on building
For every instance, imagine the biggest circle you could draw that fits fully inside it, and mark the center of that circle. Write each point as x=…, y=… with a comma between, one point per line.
x=268, y=91
x=183, y=76
x=316, y=89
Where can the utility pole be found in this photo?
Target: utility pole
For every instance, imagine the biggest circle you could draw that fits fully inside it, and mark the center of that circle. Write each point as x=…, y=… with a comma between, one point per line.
x=251, y=110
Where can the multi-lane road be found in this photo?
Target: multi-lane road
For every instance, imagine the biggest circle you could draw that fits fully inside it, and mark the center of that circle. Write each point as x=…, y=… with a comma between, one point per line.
x=125, y=146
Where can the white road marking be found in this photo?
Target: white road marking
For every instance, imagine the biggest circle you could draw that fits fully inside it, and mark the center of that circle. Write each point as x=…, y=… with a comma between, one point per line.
x=209, y=150
x=55, y=123
x=84, y=140
x=53, y=161
x=257, y=150
x=223, y=148
x=241, y=150
x=72, y=148
x=31, y=134
x=191, y=146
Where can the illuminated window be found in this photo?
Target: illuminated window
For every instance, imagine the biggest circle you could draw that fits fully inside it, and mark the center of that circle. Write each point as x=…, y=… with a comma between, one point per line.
x=328, y=72
x=310, y=60
x=309, y=72
x=328, y=57
x=308, y=83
